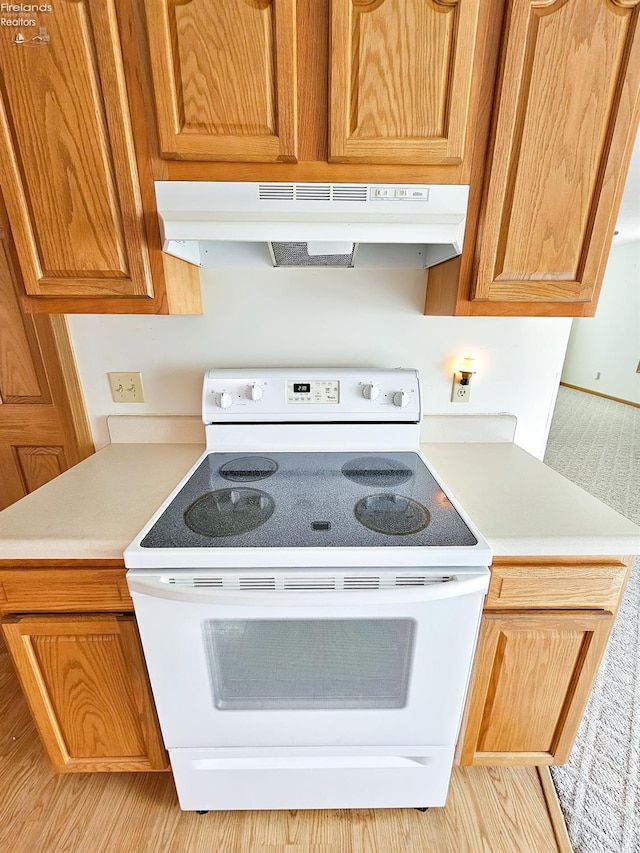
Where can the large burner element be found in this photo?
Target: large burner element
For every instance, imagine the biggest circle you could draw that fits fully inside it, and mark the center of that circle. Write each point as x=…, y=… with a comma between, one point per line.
x=376, y=471
x=246, y=469
x=228, y=512
x=392, y=514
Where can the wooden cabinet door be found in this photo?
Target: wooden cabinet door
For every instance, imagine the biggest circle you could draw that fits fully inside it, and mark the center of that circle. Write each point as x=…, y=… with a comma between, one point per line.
x=85, y=680
x=224, y=76
x=401, y=74
x=566, y=113
x=533, y=675
x=43, y=424
x=68, y=172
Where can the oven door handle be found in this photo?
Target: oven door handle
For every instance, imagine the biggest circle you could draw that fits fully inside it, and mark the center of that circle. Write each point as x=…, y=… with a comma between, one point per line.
x=449, y=586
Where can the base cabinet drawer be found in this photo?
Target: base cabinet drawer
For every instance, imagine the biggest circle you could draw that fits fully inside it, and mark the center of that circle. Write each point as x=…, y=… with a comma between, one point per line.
x=85, y=588
x=585, y=584
x=533, y=676
x=86, y=684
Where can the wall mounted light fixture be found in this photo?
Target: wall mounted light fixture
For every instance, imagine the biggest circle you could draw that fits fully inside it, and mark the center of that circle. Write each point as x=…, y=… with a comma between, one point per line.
x=461, y=390
x=466, y=369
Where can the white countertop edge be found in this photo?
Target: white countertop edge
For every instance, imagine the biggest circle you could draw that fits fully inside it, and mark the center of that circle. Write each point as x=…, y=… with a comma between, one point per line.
x=50, y=549
x=568, y=547
x=57, y=549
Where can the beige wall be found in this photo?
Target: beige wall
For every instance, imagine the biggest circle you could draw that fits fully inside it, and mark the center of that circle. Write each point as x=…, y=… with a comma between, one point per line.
x=609, y=343
x=333, y=318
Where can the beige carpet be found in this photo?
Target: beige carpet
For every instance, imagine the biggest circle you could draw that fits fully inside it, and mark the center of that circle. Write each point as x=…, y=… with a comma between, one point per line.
x=596, y=443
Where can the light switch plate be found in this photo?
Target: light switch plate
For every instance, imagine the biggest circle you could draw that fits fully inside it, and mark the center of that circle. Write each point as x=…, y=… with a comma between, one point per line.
x=126, y=387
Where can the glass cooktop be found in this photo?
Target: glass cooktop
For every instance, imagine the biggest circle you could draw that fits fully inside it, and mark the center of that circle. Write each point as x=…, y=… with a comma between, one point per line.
x=292, y=500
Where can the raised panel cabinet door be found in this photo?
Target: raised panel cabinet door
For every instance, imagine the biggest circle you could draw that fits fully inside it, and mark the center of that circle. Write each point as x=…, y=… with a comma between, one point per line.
x=43, y=423
x=68, y=169
x=567, y=110
x=532, y=678
x=401, y=73
x=85, y=681
x=224, y=77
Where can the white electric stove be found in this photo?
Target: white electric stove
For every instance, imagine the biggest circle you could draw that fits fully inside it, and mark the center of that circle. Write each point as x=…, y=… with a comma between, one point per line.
x=309, y=597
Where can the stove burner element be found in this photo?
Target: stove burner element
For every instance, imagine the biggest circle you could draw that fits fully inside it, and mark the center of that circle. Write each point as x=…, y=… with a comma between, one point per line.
x=392, y=514
x=376, y=471
x=228, y=512
x=247, y=469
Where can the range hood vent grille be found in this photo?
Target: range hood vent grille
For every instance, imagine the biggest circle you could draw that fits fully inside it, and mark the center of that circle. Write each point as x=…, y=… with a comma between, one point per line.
x=313, y=192
x=282, y=192
x=297, y=255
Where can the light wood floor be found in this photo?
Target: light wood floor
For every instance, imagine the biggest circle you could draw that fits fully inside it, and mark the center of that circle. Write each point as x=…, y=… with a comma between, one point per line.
x=490, y=810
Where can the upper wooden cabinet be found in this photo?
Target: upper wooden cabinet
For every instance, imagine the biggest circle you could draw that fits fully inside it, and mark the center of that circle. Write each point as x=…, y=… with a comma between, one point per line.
x=69, y=175
x=76, y=204
x=375, y=81
x=568, y=93
x=401, y=74
x=224, y=77
x=565, y=117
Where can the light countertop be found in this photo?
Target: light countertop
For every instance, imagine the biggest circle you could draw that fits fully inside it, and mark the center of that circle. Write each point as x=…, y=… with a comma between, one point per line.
x=96, y=508
x=522, y=507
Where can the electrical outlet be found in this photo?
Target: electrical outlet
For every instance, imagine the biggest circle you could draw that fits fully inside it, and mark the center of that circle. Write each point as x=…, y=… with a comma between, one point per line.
x=126, y=387
x=460, y=393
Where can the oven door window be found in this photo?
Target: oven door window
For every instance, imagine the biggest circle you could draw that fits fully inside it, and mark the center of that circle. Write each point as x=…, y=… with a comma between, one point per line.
x=308, y=664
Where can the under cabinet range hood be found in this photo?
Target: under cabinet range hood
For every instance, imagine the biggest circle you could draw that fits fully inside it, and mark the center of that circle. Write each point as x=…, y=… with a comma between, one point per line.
x=370, y=226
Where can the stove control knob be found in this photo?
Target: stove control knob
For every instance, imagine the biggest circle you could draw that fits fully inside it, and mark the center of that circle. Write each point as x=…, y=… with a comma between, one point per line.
x=255, y=391
x=370, y=392
x=401, y=398
x=225, y=400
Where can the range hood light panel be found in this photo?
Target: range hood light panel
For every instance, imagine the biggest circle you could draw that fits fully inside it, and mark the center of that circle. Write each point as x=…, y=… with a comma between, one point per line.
x=326, y=248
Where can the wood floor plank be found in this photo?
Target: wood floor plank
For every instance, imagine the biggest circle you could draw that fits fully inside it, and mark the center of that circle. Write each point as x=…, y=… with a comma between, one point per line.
x=489, y=810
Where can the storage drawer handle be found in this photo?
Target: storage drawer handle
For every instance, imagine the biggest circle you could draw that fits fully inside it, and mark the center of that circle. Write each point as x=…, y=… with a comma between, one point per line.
x=328, y=762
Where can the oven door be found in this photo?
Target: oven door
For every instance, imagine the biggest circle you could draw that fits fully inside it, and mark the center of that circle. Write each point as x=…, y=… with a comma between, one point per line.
x=300, y=669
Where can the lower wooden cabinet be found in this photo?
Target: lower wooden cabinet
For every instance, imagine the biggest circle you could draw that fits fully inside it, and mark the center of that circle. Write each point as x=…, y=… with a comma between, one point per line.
x=533, y=675
x=544, y=629
x=85, y=680
x=545, y=626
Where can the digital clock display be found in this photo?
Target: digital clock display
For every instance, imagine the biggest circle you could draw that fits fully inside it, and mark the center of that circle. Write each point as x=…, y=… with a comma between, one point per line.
x=318, y=391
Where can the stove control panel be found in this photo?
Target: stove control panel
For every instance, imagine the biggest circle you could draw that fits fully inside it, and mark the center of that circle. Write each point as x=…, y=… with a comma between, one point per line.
x=307, y=395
